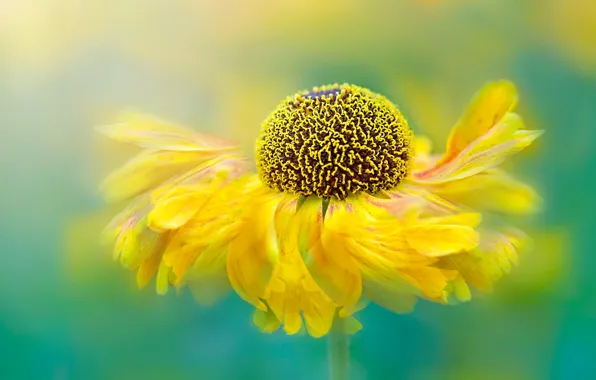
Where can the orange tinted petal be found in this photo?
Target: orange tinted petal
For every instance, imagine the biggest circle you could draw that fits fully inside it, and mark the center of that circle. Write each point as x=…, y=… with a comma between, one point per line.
x=487, y=108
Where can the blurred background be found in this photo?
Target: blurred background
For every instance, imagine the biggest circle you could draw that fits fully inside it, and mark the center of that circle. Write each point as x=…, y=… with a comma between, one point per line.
x=68, y=312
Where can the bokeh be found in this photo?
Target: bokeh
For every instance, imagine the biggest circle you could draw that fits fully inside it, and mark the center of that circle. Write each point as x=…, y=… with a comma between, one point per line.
x=68, y=312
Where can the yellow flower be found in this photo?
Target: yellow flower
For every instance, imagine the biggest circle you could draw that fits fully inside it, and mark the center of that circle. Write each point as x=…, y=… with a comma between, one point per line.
x=346, y=207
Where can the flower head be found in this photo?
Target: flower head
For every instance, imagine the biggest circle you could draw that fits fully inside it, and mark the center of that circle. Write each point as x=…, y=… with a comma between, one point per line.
x=348, y=207
x=334, y=141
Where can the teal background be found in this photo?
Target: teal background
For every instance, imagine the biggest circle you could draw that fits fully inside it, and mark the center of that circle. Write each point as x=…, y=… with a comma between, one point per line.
x=68, y=312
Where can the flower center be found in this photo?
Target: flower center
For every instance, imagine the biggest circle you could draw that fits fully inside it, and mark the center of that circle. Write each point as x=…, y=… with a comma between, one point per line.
x=334, y=141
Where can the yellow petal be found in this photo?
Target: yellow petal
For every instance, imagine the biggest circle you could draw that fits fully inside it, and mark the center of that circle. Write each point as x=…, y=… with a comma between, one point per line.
x=492, y=190
x=292, y=292
x=162, y=281
x=487, y=152
x=266, y=320
x=461, y=289
x=486, y=109
x=214, y=173
x=148, y=170
x=392, y=272
x=430, y=280
x=440, y=240
x=133, y=241
x=147, y=270
x=469, y=219
x=199, y=247
x=334, y=270
x=254, y=251
x=150, y=132
x=485, y=265
x=176, y=208
x=502, y=141
x=483, y=138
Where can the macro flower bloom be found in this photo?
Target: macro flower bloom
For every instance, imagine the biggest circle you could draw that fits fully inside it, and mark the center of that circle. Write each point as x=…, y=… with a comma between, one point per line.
x=346, y=207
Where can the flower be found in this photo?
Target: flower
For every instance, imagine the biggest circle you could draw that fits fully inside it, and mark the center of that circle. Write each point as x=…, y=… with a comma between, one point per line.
x=347, y=207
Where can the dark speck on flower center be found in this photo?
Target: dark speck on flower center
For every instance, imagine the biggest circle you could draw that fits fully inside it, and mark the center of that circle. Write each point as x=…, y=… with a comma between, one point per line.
x=332, y=91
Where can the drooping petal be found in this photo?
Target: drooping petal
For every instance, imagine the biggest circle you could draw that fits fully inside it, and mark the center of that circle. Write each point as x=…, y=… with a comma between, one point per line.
x=148, y=269
x=183, y=182
x=292, y=293
x=215, y=172
x=135, y=244
x=177, y=208
x=198, y=249
x=150, y=132
x=133, y=240
x=266, y=320
x=458, y=291
x=162, y=280
x=177, y=201
x=494, y=257
x=148, y=170
x=253, y=252
x=389, y=266
x=334, y=270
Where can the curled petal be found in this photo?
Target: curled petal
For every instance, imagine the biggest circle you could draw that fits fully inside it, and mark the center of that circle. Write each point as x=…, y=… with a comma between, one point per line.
x=486, y=152
x=486, y=134
x=292, y=293
x=487, y=109
x=334, y=270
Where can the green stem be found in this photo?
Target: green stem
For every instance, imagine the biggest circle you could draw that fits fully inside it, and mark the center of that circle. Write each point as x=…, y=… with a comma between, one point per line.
x=338, y=347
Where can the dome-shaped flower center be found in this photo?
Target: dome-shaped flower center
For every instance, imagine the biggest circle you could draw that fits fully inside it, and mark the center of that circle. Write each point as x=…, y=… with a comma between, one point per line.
x=334, y=141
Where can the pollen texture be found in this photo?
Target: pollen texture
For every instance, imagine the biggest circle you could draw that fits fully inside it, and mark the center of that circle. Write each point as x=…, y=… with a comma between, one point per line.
x=334, y=141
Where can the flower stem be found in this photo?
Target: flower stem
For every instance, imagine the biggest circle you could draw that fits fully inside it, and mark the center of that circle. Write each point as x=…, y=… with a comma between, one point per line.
x=338, y=348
